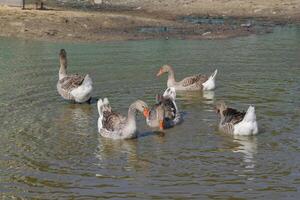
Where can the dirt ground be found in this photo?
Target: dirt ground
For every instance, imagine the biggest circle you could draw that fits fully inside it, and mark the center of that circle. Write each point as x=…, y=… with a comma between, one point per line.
x=270, y=9
x=136, y=19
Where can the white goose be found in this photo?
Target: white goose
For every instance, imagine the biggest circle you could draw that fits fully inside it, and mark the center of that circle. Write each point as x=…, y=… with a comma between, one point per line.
x=235, y=122
x=116, y=126
x=73, y=87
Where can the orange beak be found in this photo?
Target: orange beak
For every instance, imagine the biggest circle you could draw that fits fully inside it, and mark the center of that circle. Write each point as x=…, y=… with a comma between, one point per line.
x=161, y=125
x=146, y=113
x=160, y=72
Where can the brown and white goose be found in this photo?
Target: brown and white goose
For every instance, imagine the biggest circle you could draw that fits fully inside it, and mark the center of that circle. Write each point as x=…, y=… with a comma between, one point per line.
x=116, y=126
x=191, y=83
x=73, y=87
x=164, y=114
x=235, y=122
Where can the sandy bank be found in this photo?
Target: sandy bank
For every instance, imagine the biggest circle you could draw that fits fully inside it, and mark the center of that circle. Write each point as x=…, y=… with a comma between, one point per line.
x=150, y=19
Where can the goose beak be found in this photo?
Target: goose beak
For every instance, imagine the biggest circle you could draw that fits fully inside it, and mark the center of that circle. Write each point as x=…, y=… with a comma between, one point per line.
x=146, y=113
x=161, y=124
x=159, y=73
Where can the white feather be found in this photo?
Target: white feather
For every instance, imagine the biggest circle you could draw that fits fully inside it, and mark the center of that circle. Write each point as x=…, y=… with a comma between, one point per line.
x=105, y=101
x=210, y=84
x=248, y=126
x=170, y=93
x=100, y=105
x=83, y=92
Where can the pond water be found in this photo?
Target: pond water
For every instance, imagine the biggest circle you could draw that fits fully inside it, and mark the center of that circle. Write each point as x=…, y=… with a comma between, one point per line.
x=50, y=149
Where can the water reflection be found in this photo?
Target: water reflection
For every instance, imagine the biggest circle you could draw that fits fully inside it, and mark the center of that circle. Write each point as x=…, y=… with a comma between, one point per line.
x=127, y=153
x=193, y=97
x=124, y=152
x=75, y=116
x=209, y=96
x=158, y=136
x=57, y=146
x=107, y=149
x=248, y=147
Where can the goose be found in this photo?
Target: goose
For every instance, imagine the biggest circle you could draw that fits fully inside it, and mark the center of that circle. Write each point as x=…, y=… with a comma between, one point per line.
x=235, y=122
x=73, y=87
x=164, y=114
x=116, y=126
x=191, y=83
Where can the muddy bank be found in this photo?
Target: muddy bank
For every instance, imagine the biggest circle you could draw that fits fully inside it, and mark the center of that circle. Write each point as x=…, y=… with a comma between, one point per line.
x=126, y=22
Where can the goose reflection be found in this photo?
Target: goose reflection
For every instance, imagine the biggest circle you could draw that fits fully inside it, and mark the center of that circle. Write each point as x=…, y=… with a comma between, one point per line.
x=75, y=117
x=116, y=153
x=124, y=154
x=108, y=148
x=248, y=147
x=209, y=96
x=192, y=97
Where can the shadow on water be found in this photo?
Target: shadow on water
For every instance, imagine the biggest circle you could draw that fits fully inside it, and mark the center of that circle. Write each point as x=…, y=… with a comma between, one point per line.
x=152, y=133
x=92, y=100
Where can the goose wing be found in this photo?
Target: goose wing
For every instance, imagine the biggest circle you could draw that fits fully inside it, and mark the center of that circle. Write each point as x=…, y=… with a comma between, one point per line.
x=199, y=78
x=112, y=121
x=233, y=116
x=170, y=108
x=71, y=82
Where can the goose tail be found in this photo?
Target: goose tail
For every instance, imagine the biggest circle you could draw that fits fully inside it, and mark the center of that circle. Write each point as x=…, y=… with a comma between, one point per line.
x=170, y=93
x=250, y=115
x=102, y=105
x=210, y=84
x=87, y=81
x=248, y=126
x=83, y=92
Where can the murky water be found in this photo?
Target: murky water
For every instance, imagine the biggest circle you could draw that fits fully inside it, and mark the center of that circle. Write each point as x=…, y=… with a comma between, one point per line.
x=50, y=149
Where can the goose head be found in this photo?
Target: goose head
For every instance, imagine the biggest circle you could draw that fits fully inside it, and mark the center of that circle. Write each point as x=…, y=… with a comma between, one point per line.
x=220, y=107
x=141, y=106
x=164, y=69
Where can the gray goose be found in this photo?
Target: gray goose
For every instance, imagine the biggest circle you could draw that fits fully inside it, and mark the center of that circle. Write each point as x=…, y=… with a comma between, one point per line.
x=164, y=114
x=116, y=126
x=73, y=86
x=235, y=122
x=191, y=83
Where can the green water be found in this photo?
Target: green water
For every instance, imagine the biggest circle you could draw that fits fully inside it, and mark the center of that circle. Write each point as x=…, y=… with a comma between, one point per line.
x=50, y=149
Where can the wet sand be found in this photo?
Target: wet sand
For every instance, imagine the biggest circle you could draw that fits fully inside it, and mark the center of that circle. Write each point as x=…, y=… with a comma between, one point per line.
x=122, y=20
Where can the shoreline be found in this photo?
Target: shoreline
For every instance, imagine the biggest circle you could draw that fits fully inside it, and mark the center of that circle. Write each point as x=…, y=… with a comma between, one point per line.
x=133, y=23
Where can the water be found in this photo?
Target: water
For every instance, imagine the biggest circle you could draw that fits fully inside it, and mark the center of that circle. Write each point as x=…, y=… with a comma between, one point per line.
x=50, y=149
